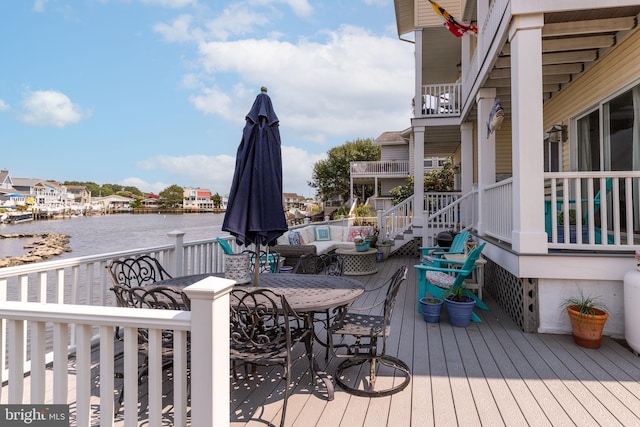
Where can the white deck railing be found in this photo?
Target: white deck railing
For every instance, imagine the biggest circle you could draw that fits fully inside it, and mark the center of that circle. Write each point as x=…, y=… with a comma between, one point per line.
x=395, y=221
x=498, y=204
x=379, y=169
x=50, y=325
x=440, y=100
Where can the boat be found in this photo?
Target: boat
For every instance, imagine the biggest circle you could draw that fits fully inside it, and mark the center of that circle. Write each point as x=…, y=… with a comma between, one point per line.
x=15, y=218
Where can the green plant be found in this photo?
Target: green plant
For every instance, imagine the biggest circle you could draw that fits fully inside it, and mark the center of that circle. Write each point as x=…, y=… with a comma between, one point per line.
x=584, y=305
x=457, y=293
x=572, y=217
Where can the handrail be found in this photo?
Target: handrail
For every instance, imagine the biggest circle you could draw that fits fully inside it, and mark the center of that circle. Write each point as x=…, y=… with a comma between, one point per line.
x=395, y=221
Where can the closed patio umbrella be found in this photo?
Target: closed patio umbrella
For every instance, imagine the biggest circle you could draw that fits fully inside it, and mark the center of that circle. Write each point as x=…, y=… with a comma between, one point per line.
x=255, y=212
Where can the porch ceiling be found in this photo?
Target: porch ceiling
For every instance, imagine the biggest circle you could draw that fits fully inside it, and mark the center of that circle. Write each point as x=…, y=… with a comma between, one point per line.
x=571, y=42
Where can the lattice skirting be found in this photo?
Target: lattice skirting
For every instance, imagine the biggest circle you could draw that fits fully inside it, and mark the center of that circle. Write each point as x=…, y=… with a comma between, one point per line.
x=518, y=297
x=410, y=249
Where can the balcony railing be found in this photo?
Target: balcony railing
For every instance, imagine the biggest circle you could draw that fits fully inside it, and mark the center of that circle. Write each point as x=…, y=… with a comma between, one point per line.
x=441, y=100
x=380, y=168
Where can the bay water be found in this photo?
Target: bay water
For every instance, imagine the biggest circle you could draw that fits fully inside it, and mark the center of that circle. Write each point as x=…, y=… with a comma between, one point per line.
x=91, y=235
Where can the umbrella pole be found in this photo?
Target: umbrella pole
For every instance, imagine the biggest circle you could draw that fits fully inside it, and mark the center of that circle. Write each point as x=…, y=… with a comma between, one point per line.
x=256, y=266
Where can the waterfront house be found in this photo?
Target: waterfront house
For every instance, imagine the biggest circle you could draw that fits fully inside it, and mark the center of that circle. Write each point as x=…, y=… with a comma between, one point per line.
x=113, y=203
x=567, y=78
x=197, y=198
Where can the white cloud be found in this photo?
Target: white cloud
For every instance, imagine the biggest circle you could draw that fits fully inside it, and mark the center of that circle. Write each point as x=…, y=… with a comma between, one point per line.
x=38, y=5
x=51, y=108
x=379, y=3
x=4, y=106
x=299, y=7
x=174, y=4
x=352, y=83
x=142, y=185
x=216, y=172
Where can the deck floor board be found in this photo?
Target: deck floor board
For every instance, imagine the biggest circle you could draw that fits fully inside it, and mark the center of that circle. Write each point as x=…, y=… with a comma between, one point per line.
x=487, y=374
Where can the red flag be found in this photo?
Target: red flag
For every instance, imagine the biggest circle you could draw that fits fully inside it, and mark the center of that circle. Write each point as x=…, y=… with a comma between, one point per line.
x=455, y=27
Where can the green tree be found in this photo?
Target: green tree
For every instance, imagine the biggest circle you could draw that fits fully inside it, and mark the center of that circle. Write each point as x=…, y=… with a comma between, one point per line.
x=172, y=196
x=217, y=201
x=435, y=180
x=330, y=176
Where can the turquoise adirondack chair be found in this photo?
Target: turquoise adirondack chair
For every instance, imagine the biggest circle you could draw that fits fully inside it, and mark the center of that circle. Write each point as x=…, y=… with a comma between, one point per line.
x=432, y=254
x=437, y=280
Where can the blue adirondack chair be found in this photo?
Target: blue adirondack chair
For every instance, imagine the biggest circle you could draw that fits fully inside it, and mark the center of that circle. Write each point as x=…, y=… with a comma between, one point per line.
x=432, y=254
x=437, y=280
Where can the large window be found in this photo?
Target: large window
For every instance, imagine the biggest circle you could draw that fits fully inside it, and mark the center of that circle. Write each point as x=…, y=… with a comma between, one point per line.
x=608, y=139
x=609, y=136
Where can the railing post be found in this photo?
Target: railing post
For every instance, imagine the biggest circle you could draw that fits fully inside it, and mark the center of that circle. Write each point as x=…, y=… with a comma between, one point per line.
x=382, y=226
x=179, y=251
x=210, y=393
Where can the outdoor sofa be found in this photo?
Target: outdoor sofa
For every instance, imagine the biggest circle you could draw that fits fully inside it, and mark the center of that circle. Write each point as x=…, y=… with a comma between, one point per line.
x=317, y=239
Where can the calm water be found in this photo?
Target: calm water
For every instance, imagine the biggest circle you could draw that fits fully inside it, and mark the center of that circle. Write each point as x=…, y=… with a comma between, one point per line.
x=110, y=233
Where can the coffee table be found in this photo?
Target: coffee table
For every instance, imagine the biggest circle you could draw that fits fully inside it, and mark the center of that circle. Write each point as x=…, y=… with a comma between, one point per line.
x=359, y=263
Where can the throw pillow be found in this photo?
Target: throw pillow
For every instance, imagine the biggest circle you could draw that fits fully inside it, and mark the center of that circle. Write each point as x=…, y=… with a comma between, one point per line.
x=295, y=238
x=321, y=234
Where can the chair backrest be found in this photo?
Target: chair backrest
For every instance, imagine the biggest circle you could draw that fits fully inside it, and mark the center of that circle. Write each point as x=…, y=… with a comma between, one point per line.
x=399, y=277
x=266, y=262
x=134, y=272
x=333, y=264
x=457, y=245
x=226, y=247
x=309, y=264
x=259, y=321
x=157, y=297
x=469, y=264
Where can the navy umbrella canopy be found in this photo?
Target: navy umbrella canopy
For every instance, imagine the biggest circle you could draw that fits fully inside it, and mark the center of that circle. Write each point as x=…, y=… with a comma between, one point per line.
x=255, y=212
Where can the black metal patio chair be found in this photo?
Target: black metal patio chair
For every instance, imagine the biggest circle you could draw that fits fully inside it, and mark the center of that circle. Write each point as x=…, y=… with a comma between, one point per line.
x=368, y=344
x=138, y=271
x=262, y=334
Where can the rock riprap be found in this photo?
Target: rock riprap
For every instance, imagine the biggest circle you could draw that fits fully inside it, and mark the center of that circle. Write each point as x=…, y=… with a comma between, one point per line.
x=48, y=246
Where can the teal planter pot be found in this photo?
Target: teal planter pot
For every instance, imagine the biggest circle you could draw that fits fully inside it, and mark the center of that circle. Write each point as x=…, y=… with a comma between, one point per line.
x=431, y=309
x=460, y=311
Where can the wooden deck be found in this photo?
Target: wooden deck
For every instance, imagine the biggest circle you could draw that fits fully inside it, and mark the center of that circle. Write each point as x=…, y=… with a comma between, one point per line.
x=488, y=374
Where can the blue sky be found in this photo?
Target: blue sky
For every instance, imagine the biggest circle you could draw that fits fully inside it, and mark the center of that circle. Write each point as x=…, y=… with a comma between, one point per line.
x=152, y=93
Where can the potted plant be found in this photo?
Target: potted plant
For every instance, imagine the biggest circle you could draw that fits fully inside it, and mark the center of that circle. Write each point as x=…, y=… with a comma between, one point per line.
x=431, y=309
x=459, y=306
x=588, y=316
x=384, y=246
x=572, y=227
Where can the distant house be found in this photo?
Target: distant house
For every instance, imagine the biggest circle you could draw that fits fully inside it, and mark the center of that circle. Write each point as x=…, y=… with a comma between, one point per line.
x=5, y=181
x=80, y=194
x=197, y=198
x=41, y=192
x=292, y=201
x=114, y=202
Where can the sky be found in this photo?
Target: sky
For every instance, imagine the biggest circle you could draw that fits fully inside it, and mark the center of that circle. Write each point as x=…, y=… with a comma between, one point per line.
x=151, y=93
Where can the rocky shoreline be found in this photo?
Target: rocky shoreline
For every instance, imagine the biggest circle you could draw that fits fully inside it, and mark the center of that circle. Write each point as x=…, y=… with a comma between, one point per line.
x=50, y=245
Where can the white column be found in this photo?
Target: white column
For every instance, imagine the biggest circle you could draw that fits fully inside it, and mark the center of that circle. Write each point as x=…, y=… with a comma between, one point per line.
x=418, y=182
x=486, y=152
x=466, y=169
x=210, y=351
x=525, y=35
x=417, y=108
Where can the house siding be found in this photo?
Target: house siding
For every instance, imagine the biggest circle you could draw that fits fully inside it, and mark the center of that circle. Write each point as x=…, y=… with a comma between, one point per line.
x=427, y=17
x=605, y=78
x=394, y=152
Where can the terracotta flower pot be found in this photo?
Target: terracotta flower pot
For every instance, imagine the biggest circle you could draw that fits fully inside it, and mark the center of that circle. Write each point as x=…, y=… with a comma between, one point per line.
x=587, y=328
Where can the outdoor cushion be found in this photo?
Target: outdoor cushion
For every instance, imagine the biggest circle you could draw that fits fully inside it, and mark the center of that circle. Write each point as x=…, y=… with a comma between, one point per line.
x=295, y=238
x=440, y=279
x=321, y=234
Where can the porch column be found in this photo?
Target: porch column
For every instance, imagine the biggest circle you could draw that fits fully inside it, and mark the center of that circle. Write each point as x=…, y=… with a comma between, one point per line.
x=466, y=170
x=417, y=100
x=486, y=152
x=418, y=183
x=525, y=35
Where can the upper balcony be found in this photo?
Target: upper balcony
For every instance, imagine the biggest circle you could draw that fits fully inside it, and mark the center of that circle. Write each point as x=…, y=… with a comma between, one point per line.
x=389, y=169
x=441, y=100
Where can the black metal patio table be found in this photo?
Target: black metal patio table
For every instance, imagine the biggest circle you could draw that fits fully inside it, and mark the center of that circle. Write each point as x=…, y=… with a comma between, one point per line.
x=307, y=294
